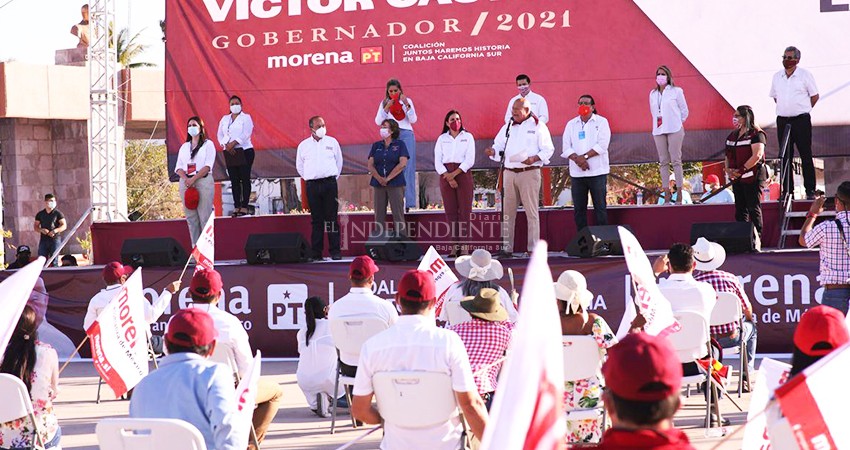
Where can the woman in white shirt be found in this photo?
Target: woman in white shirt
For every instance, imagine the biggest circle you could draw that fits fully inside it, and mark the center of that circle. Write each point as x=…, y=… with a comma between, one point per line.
x=454, y=156
x=234, y=136
x=316, y=372
x=669, y=112
x=194, y=167
x=399, y=107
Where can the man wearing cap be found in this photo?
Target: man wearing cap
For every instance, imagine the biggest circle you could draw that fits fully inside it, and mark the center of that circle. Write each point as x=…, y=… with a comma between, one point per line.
x=709, y=256
x=643, y=378
x=188, y=387
x=415, y=343
x=486, y=338
x=712, y=182
x=22, y=258
x=479, y=271
x=114, y=275
x=205, y=290
x=833, y=238
x=360, y=302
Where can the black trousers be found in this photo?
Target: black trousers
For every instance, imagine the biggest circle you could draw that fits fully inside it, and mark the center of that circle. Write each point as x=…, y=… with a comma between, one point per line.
x=240, y=180
x=598, y=188
x=322, y=197
x=801, y=136
x=748, y=204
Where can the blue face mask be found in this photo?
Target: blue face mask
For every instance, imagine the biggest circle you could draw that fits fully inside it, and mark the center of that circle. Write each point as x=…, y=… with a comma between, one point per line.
x=194, y=131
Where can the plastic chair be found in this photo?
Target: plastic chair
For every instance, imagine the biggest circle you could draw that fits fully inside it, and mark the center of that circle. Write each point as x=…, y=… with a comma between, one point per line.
x=582, y=360
x=349, y=334
x=16, y=403
x=145, y=434
x=692, y=343
x=456, y=313
x=412, y=399
x=224, y=354
x=728, y=310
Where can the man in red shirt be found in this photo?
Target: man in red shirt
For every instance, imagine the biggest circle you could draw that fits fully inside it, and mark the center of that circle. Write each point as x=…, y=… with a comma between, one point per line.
x=643, y=377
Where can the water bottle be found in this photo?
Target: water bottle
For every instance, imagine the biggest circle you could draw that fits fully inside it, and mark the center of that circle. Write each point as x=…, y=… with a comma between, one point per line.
x=765, y=194
x=640, y=197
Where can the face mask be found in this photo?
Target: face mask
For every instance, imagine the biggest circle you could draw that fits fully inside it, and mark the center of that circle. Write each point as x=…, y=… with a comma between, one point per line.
x=661, y=80
x=320, y=133
x=454, y=126
x=524, y=90
x=735, y=122
x=194, y=131
x=708, y=188
x=385, y=133
x=52, y=204
x=789, y=63
x=584, y=110
x=235, y=109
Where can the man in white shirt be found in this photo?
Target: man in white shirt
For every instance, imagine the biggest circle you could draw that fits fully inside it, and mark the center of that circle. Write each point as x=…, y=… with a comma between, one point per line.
x=360, y=301
x=712, y=182
x=205, y=290
x=319, y=163
x=114, y=275
x=680, y=288
x=586, y=139
x=795, y=93
x=416, y=344
x=526, y=145
x=539, y=108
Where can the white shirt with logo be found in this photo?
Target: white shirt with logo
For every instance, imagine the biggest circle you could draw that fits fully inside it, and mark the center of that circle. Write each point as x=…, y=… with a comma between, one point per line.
x=527, y=139
x=458, y=150
x=580, y=138
x=539, y=107
x=315, y=160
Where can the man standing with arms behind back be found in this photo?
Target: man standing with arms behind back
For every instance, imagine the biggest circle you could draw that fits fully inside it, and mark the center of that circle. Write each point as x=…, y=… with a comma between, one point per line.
x=795, y=94
x=49, y=222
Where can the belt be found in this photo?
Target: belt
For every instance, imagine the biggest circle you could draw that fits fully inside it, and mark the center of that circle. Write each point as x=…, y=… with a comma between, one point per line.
x=836, y=286
x=322, y=180
x=524, y=169
x=793, y=117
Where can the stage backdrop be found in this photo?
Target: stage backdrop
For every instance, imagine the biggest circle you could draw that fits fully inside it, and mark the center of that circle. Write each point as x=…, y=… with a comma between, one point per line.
x=269, y=299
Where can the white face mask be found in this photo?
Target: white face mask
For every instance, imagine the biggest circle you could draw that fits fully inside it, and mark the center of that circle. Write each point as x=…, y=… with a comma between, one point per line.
x=194, y=131
x=235, y=109
x=661, y=80
x=524, y=89
x=708, y=188
x=735, y=122
x=51, y=204
x=385, y=133
x=320, y=133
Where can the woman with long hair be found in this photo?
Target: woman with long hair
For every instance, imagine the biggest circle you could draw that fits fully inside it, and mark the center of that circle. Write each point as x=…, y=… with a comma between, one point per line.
x=399, y=107
x=316, y=372
x=194, y=167
x=234, y=136
x=745, y=166
x=37, y=365
x=669, y=112
x=454, y=156
x=386, y=163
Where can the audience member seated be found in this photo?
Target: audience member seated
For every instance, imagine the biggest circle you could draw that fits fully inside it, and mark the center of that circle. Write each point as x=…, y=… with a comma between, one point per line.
x=188, y=387
x=360, y=301
x=712, y=182
x=571, y=290
x=205, y=290
x=821, y=330
x=69, y=261
x=415, y=343
x=478, y=271
x=643, y=378
x=486, y=338
x=709, y=256
x=686, y=194
x=114, y=275
x=316, y=372
x=22, y=258
x=47, y=333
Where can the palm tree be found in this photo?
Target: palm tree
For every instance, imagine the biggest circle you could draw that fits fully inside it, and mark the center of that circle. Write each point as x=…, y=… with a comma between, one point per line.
x=128, y=49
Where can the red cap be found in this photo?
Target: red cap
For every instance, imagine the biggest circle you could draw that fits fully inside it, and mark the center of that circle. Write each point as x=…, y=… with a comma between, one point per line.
x=196, y=324
x=643, y=368
x=191, y=198
x=712, y=179
x=205, y=283
x=362, y=267
x=821, y=324
x=417, y=286
x=113, y=272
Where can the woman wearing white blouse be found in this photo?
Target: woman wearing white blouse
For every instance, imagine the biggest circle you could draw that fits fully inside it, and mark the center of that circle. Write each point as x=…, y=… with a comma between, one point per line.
x=399, y=107
x=669, y=112
x=454, y=156
x=317, y=358
x=234, y=136
x=194, y=166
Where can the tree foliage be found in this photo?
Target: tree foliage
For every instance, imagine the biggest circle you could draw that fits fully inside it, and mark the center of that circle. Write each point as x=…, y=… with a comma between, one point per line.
x=128, y=49
x=149, y=190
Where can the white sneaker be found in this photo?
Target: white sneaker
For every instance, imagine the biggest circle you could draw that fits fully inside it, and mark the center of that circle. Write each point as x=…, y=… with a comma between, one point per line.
x=321, y=406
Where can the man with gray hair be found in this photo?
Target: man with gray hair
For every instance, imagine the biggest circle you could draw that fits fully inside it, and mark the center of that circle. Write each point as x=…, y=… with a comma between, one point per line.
x=795, y=94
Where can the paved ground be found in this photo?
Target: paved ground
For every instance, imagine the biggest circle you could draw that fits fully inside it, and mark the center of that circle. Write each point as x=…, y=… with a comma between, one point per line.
x=295, y=426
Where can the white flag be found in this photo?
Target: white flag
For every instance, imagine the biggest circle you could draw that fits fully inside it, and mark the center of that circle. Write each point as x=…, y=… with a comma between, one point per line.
x=528, y=411
x=204, y=251
x=770, y=376
x=653, y=305
x=246, y=392
x=444, y=277
x=16, y=291
x=119, y=345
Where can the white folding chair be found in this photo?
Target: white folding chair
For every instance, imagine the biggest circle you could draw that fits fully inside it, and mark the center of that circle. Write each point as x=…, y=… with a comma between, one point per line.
x=17, y=403
x=224, y=354
x=582, y=360
x=456, y=313
x=412, y=399
x=349, y=334
x=728, y=310
x=146, y=434
x=691, y=343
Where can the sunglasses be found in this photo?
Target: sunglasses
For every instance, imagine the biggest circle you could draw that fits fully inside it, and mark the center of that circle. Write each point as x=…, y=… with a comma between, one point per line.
x=788, y=58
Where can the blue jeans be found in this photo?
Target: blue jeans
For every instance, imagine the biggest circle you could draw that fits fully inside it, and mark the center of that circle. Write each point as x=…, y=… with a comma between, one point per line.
x=837, y=298
x=750, y=337
x=598, y=188
x=410, y=192
x=47, y=245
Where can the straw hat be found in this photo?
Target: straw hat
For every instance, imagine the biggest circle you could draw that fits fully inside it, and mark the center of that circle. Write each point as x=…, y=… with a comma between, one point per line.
x=708, y=255
x=479, y=266
x=485, y=306
x=571, y=287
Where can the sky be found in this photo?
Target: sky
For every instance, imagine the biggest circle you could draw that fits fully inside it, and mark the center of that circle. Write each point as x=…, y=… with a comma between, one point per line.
x=32, y=30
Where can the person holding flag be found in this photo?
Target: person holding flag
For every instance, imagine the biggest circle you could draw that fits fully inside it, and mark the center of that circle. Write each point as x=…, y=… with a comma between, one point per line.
x=477, y=271
x=115, y=275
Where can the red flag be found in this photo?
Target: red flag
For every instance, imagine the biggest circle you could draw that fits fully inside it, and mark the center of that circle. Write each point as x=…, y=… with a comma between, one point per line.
x=204, y=251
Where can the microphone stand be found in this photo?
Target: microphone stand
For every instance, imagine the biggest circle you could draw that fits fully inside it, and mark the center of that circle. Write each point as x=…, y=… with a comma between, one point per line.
x=500, y=186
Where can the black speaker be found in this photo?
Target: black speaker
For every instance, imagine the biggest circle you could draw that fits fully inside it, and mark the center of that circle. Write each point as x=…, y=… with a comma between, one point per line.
x=597, y=240
x=275, y=248
x=153, y=252
x=735, y=237
x=389, y=247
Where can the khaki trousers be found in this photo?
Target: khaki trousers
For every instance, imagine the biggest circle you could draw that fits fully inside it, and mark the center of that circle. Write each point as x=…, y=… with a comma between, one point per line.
x=521, y=189
x=268, y=402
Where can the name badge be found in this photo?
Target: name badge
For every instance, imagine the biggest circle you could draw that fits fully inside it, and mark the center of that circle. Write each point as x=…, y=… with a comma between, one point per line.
x=581, y=135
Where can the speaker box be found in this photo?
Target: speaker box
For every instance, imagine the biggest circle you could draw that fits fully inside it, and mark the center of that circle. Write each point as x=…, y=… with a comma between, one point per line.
x=273, y=248
x=597, y=240
x=153, y=252
x=735, y=237
x=388, y=247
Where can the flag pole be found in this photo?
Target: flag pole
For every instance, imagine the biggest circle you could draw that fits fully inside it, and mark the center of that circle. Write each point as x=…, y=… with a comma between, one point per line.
x=185, y=266
x=68, y=361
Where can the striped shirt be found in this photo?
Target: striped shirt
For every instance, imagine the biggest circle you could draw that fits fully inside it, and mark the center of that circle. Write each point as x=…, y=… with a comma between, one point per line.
x=834, y=250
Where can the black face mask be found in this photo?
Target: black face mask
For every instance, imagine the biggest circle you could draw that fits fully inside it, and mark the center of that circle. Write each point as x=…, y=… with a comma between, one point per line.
x=789, y=63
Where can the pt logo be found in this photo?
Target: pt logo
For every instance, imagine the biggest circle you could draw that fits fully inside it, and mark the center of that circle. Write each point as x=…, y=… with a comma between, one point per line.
x=371, y=55
x=286, y=306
